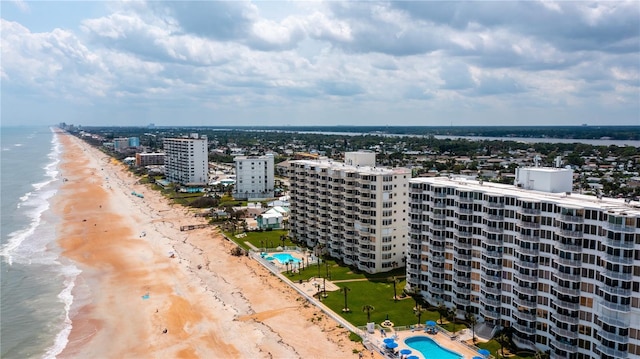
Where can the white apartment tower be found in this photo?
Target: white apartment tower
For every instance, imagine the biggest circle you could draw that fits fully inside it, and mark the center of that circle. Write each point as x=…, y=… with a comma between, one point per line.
x=186, y=161
x=562, y=270
x=353, y=211
x=254, y=177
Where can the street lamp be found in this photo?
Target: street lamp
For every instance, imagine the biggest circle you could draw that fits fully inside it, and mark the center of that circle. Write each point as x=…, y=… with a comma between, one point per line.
x=346, y=307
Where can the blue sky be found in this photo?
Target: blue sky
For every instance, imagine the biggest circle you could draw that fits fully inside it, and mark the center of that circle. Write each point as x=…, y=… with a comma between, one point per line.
x=320, y=63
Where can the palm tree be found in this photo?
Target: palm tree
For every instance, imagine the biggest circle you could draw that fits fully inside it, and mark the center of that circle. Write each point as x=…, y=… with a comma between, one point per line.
x=452, y=314
x=503, y=340
x=471, y=318
x=368, y=308
x=414, y=292
x=418, y=310
x=394, y=280
x=345, y=290
x=442, y=310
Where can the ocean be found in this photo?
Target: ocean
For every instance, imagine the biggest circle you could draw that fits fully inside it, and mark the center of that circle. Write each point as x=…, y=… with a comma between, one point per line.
x=37, y=284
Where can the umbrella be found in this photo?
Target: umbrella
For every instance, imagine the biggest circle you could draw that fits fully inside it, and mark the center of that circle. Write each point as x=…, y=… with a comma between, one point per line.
x=413, y=357
x=387, y=340
x=431, y=323
x=476, y=357
x=405, y=351
x=391, y=345
x=484, y=352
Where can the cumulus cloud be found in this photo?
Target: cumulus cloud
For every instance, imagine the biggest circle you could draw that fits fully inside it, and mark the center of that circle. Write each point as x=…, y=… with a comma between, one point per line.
x=388, y=57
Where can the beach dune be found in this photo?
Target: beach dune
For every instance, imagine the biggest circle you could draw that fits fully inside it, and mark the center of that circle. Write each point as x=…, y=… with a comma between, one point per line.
x=148, y=290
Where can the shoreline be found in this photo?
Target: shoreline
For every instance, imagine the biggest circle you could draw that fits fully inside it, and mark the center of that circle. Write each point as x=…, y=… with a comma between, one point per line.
x=210, y=303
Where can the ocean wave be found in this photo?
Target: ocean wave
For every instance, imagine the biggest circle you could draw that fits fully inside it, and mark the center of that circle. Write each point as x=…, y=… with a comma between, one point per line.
x=70, y=272
x=34, y=203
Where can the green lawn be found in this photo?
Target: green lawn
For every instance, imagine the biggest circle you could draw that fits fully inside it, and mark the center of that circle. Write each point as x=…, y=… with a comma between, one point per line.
x=270, y=239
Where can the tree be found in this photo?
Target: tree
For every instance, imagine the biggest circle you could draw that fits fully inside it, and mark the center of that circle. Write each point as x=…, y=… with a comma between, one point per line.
x=442, y=310
x=503, y=340
x=368, y=308
x=394, y=281
x=452, y=315
x=418, y=310
x=471, y=318
x=414, y=292
x=345, y=290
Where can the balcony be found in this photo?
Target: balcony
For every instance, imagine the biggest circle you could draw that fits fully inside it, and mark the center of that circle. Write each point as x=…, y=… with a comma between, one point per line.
x=462, y=279
x=618, y=354
x=463, y=222
x=463, y=234
x=570, y=219
x=568, y=262
x=489, y=313
x=524, y=329
x=495, y=217
x=462, y=245
x=616, y=290
x=529, y=238
x=461, y=268
x=617, y=275
x=493, y=229
x=492, y=254
x=568, y=347
x=437, y=259
x=461, y=301
x=615, y=306
x=436, y=280
x=526, y=277
x=493, y=242
x=567, y=291
x=531, y=225
x=527, y=251
x=566, y=319
x=525, y=264
x=461, y=290
x=435, y=291
x=620, y=244
x=527, y=290
x=618, y=259
x=464, y=210
x=620, y=320
x=569, y=234
x=529, y=211
x=566, y=305
x=464, y=257
x=434, y=269
x=490, y=278
x=569, y=247
x=494, y=204
x=492, y=290
x=619, y=228
x=523, y=343
x=491, y=302
x=524, y=316
x=526, y=303
x=564, y=333
x=567, y=276
x=613, y=337
x=492, y=266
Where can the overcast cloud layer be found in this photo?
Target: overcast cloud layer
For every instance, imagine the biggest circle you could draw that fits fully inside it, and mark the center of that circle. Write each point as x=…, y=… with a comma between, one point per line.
x=321, y=63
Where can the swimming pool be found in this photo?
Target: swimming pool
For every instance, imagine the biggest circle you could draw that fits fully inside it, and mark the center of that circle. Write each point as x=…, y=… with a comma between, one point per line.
x=430, y=349
x=285, y=257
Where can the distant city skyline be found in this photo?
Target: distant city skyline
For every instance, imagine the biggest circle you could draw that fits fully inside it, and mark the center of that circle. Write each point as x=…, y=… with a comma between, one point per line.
x=418, y=63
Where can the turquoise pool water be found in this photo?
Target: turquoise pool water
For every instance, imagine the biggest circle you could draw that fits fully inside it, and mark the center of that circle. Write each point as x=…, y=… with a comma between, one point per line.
x=285, y=257
x=430, y=349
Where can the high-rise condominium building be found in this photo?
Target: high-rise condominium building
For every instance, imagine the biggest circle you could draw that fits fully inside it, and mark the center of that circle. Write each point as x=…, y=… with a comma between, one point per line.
x=254, y=177
x=561, y=270
x=186, y=160
x=354, y=211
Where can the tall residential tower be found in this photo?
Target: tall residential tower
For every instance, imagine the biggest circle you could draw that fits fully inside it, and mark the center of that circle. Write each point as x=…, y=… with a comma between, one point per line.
x=186, y=160
x=562, y=270
x=354, y=211
x=254, y=177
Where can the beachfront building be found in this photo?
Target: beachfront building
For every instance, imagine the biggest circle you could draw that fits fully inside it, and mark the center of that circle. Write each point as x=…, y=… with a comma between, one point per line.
x=353, y=211
x=149, y=159
x=254, y=177
x=120, y=143
x=186, y=161
x=562, y=270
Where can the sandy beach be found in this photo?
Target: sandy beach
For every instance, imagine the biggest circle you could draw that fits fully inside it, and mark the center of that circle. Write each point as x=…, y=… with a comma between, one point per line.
x=135, y=300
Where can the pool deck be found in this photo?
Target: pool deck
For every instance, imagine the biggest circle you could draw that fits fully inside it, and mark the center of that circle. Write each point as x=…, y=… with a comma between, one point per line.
x=442, y=339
